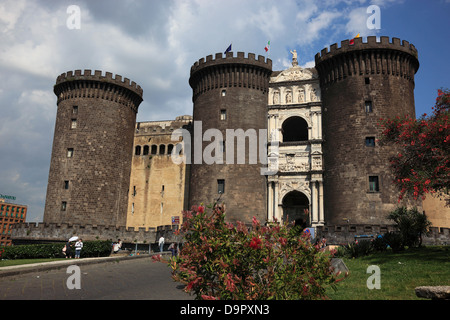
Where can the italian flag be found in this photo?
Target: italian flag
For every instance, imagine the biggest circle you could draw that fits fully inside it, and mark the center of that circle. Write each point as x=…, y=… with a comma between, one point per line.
x=267, y=46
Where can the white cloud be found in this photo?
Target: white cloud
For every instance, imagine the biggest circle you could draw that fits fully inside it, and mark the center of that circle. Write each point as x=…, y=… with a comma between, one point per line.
x=10, y=11
x=154, y=43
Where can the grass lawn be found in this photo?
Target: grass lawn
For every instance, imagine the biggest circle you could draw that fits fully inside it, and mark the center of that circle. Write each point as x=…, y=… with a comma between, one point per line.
x=400, y=273
x=7, y=263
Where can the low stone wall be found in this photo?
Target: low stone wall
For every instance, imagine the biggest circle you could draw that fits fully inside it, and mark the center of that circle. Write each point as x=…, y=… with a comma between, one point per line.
x=51, y=232
x=337, y=234
x=343, y=234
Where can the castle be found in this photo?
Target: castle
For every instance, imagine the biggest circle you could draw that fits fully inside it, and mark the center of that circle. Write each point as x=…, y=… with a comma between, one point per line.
x=298, y=144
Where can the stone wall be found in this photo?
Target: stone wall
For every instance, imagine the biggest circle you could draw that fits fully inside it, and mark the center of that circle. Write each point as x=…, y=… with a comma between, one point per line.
x=346, y=233
x=158, y=185
x=52, y=232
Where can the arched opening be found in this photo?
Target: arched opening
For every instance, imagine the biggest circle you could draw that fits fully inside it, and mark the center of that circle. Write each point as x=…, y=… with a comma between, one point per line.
x=295, y=129
x=145, y=152
x=137, y=151
x=154, y=149
x=295, y=204
x=162, y=149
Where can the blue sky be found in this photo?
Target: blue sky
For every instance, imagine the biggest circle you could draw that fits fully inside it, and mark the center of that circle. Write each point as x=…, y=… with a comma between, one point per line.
x=154, y=43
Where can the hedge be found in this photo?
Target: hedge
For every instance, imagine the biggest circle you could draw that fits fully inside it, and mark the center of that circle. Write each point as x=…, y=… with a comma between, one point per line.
x=54, y=250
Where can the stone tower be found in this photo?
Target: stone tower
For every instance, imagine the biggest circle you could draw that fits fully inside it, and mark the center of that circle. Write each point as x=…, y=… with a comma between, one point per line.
x=230, y=95
x=360, y=84
x=92, y=149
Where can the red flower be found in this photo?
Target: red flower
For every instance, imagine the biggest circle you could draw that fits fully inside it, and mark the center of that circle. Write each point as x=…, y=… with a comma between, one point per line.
x=255, y=243
x=201, y=209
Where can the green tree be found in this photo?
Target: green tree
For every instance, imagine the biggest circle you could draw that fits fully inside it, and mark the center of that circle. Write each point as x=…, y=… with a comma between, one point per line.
x=411, y=224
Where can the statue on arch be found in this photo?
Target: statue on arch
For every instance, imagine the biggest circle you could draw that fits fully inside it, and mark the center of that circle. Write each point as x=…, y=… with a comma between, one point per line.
x=294, y=58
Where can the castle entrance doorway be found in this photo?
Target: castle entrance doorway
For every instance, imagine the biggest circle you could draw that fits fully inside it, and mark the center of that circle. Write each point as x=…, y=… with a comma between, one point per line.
x=294, y=205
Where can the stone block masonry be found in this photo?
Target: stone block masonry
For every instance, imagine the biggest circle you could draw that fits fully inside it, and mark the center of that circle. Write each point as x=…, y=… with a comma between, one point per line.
x=360, y=84
x=91, y=157
x=52, y=232
x=230, y=93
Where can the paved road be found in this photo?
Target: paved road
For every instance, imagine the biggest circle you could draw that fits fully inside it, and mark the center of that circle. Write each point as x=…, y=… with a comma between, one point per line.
x=134, y=279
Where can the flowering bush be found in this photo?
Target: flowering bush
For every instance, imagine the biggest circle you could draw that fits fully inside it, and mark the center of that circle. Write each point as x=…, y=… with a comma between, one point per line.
x=221, y=260
x=423, y=164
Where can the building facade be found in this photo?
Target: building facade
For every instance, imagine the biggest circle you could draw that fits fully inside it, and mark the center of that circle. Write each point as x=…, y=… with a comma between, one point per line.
x=10, y=214
x=158, y=185
x=317, y=161
x=295, y=191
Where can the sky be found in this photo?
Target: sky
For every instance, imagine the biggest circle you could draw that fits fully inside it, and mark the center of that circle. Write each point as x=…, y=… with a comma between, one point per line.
x=155, y=42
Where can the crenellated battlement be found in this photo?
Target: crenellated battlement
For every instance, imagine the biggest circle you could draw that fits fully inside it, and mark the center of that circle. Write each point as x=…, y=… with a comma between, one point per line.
x=230, y=71
x=365, y=58
x=62, y=232
x=371, y=43
x=98, y=76
x=164, y=127
x=75, y=84
x=219, y=58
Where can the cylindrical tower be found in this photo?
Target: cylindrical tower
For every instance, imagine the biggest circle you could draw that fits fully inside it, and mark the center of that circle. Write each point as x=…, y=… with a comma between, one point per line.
x=92, y=149
x=361, y=83
x=230, y=95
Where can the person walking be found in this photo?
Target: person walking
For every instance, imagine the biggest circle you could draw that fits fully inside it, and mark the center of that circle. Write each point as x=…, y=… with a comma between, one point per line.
x=78, y=247
x=174, y=248
x=68, y=251
x=161, y=243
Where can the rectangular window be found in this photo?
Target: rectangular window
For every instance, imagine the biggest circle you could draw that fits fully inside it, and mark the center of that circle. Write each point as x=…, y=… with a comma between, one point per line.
x=75, y=110
x=220, y=186
x=73, y=124
x=224, y=93
x=69, y=152
x=63, y=206
x=368, y=106
x=66, y=184
x=374, y=185
x=367, y=80
x=370, y=141
x=223, y=114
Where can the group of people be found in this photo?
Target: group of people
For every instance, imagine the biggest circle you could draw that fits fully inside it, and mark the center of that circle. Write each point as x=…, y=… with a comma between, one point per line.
x=69, y=246
x=173, y=246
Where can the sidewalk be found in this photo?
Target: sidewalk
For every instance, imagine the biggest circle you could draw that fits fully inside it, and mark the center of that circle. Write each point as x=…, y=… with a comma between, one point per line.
x=44, y=266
